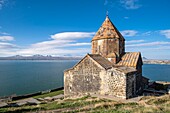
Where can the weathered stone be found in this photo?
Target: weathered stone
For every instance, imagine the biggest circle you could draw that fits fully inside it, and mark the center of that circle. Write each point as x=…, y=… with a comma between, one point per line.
x=58, y=97
x=3, y=104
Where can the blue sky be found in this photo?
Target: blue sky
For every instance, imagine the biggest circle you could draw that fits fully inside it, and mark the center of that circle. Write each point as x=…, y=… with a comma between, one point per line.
x=66, y=27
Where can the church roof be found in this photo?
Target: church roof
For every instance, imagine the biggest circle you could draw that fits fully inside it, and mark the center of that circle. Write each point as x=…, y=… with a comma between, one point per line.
x=108, y=65
x=101, y=60
x=130, y=59
x=107, y=31
x=125, y=69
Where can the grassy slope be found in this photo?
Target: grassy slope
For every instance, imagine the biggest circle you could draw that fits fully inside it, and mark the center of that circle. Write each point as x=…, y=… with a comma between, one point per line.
x=50, y=94
x=89, y=104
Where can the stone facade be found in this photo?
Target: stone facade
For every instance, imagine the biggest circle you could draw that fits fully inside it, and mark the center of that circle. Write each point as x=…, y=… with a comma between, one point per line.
x=83, y=78
x=89, y=77
x=109, y=70
x=114, y=83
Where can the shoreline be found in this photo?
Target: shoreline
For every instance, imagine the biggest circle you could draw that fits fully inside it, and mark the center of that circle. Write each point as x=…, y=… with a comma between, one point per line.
x=163, y=62
x=17, y=97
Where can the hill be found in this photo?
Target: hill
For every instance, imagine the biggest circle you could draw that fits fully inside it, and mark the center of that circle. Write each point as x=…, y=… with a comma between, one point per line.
x=40, y=57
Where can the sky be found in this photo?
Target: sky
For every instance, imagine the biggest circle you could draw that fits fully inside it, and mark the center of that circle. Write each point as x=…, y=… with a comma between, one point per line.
x=66, y=27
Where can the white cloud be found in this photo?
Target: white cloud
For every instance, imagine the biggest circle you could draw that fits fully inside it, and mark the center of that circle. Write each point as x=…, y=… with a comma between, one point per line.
x=130, y=4
x=80, y=44
x=51, y=43
x=69, y=45
x=129, y=33
x=134, y=41
x=6, y=38
x=7, y=45
x=57, y=51
x=148, y=44
x=166, y=33
x=65, y=43
x=61, y=44
x=72, y=35
x=147, y=33
x=8, y=49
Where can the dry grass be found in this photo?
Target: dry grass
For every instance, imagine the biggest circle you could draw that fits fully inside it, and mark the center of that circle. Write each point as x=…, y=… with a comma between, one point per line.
x=149, y=104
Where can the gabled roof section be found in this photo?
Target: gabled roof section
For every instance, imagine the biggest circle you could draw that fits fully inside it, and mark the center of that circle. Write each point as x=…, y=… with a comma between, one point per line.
x=104, y=63
x=107, y=31
x=125, y=69
x=101, y=61
x=130, y=59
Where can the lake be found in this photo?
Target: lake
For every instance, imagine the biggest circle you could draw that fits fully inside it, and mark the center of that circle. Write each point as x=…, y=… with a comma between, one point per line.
x=26, y=76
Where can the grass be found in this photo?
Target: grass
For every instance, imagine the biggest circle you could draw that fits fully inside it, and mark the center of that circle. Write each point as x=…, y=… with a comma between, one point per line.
x=49, y=94
x=95, y=105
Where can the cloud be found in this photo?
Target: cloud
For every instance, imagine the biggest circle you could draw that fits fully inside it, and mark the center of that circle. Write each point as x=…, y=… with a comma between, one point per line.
x=129, y=33
x=56, y=52
x=155, y=49
x=126, y=17
x=6, y=38
x=166, y=33
x=51, y=43
x=148, y=44
x=72, y=35
x=4, y=33
x=7, y=46
x=61, y=44
x=134, y=41
x=147, y=33
x=80, y=44
x=2, y=3
x=67, y=43
x=130, y=4
x=64, y=39
x=8, y=49
x=163, y=48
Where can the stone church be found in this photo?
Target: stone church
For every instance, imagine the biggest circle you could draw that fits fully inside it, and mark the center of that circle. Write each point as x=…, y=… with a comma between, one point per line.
x=109, y=70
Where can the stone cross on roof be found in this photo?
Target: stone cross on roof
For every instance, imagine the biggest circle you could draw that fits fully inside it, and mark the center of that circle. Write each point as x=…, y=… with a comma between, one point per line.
x=107, y=13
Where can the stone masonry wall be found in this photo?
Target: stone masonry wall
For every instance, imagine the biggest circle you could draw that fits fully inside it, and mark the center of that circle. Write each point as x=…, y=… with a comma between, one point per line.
x=114, y=83
x=83, y=79
x=105, y=46
x=131, y=85
x=121, y=47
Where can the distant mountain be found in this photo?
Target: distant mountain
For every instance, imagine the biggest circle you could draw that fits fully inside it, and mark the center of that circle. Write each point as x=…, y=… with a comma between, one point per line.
x=39, y=57
x=144, y=58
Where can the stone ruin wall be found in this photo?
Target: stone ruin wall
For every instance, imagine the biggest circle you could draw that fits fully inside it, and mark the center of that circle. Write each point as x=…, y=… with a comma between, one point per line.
x=83, y=79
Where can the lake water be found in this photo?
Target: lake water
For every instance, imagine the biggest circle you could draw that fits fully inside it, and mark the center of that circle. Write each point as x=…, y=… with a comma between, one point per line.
x=23, y=77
